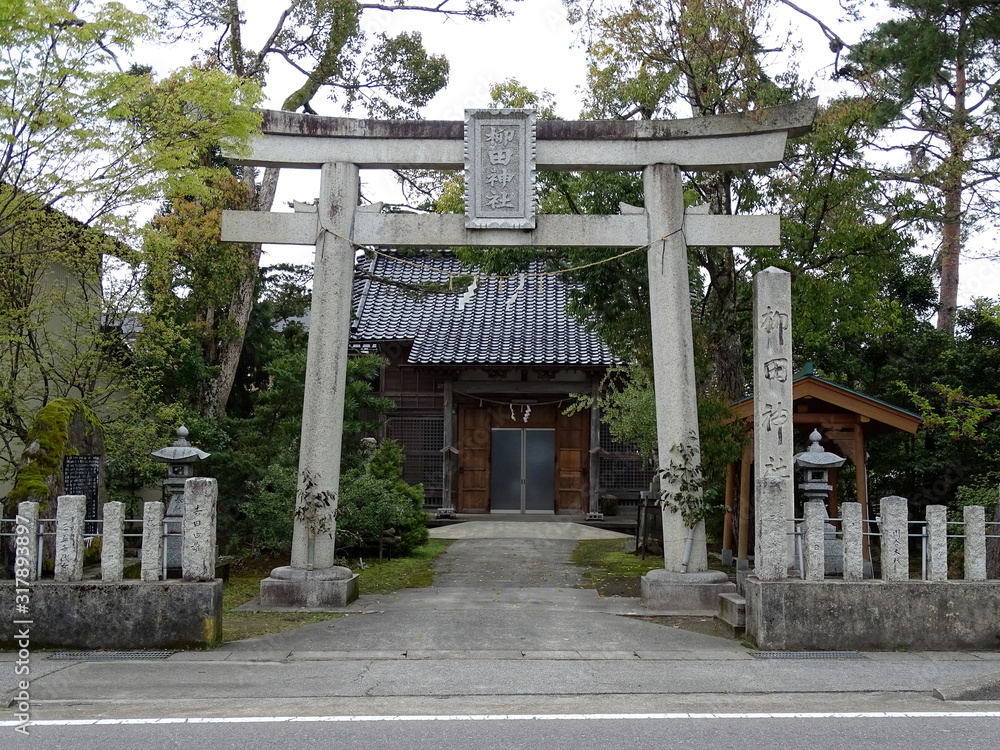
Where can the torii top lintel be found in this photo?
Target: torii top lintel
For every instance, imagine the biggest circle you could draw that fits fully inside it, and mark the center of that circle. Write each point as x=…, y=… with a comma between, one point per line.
x=722, y=142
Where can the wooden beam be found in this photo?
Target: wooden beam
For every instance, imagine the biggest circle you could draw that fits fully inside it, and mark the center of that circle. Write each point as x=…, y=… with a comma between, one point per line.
x=448, y=458
x=477, y=387
x=727, y=524
x=861, y=484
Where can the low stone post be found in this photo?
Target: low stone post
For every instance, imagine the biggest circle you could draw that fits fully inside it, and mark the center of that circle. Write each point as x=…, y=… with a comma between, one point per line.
x=27, y=517
x=113, y=542
x=850, y=521
x=895, y=539
x=814, y=540
x=975, y=542
x=937, y=542
x=198, y=541
x=152, y=541
x=70, y=514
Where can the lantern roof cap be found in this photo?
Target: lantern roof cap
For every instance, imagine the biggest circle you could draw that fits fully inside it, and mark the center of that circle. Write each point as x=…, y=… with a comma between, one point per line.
x=180, y=451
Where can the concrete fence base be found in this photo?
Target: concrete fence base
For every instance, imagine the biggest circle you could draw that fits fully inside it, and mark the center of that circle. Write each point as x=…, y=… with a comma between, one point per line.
x=123, y=615
x=796, y=615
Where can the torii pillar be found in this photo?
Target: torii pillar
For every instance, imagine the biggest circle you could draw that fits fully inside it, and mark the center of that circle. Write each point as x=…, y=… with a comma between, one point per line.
x=684, y=583
x=312, y=579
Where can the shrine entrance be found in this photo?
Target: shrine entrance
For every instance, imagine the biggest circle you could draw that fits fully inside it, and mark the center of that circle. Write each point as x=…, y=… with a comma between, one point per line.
x=523, y=469
x=500, y=151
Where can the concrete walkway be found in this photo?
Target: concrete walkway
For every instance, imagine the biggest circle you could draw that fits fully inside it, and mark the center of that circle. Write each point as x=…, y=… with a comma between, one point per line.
x=503, y=588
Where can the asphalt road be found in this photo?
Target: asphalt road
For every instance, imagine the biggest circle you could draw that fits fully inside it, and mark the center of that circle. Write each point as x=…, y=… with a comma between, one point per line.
x=504, y=652
x=578, y=733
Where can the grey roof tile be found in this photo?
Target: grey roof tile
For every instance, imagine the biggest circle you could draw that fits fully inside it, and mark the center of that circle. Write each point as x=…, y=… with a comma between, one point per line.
x=534, y=328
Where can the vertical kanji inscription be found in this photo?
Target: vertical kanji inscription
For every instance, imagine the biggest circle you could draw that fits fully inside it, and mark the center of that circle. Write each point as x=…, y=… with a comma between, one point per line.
x=500, y=169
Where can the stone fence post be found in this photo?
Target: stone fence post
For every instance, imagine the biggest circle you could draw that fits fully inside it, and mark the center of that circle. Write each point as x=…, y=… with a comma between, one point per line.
x=814, y=540
x=27, y=516
x=895, y=539
x=937, y=542
x=69, y=537
x=198, y=541
x=152, y=541
x=975, y=542
x=113, y=542
x=853, y=529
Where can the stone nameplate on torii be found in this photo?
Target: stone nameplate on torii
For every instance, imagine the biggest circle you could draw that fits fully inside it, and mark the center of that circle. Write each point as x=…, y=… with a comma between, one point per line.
x=500, y=169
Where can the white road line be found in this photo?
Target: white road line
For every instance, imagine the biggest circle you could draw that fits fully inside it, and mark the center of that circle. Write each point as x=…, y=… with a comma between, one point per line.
x=512, y=717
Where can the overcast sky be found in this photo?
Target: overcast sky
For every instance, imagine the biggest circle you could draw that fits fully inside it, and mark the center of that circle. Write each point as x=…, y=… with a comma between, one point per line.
x=538, y=47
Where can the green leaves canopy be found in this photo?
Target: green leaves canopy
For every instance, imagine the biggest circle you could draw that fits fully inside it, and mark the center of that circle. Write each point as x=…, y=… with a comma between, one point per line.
x=81, y=135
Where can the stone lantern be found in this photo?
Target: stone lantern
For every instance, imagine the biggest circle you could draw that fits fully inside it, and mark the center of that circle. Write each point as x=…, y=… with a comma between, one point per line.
x=180, y=457
x=816, y=464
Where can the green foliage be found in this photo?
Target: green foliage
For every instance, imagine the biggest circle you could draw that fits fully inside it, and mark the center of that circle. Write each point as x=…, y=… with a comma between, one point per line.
x=695, y=480
x=983, y=491
x=268, y=514
x=332, y=45
x=931, y=71
x=960, y=416
x=84, y=136
x=681, y=483
x=191, y=278
x=255, y=457
x=375, y=499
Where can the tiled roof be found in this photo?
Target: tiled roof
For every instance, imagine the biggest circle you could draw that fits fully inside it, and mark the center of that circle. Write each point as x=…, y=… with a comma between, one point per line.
x=525, y=323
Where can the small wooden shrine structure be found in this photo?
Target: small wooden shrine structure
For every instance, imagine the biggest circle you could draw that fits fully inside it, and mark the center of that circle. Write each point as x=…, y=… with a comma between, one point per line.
x=845, y=418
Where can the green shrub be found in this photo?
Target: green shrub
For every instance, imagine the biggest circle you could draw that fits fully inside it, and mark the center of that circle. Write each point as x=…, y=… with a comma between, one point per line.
x=376, y=499
x=267, y=515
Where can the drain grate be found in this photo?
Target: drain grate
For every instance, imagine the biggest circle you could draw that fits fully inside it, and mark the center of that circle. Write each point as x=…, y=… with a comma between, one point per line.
x=807, y=655
x=109, y=655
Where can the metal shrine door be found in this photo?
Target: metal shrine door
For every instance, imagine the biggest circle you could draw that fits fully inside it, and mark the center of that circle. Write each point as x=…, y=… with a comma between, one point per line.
x=523, y=470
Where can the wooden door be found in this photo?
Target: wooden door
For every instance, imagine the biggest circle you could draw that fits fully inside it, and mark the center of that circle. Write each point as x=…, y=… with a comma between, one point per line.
x=572, y=462
x=473, y=460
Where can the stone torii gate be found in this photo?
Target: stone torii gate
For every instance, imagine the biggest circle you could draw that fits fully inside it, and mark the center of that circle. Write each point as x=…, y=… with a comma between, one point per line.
x=500, y=151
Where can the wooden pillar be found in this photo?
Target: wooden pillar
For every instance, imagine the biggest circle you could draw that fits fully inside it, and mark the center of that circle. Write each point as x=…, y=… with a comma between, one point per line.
x=727, y=524
x=861, y=482
x=743, y=554
x=594, y=506
x=449, y=452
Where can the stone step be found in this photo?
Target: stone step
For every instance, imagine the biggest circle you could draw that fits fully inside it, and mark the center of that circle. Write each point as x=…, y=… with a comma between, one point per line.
x=733, y=613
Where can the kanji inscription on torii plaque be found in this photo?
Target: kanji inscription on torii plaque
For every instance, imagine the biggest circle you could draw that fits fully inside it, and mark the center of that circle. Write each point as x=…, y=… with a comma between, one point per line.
x=500, y=168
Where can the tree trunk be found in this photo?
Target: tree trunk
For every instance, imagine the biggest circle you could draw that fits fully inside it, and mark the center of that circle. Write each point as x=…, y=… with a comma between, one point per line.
x=951, y=229
x=721, y=308
x=951, y=250
x=240, y=306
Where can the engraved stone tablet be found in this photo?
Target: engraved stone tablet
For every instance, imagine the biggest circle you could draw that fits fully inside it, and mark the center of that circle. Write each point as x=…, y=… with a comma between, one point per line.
x=500, y=168
x=82, y=476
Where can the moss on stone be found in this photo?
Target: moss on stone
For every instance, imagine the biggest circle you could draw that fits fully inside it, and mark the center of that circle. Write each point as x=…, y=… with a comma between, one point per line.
x=47, y=443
